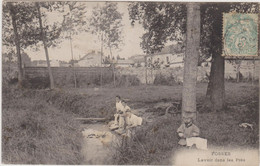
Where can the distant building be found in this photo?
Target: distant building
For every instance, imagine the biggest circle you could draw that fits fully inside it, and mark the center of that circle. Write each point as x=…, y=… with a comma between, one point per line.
x=170, y=56
x=64, y=64
x=43, y=63
x=124, y=63
x=55, y=63
x=39, y=63
x=139, y=60
x=26, y=60
x=92, y=59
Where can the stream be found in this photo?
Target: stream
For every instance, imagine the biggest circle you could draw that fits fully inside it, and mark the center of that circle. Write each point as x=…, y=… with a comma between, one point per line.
x=98, y=144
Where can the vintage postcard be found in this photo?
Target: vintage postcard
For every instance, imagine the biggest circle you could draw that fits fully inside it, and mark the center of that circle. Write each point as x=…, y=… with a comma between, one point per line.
x=130, y=83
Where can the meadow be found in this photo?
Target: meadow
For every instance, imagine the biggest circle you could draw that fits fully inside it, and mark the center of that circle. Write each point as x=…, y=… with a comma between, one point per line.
x=39, y=126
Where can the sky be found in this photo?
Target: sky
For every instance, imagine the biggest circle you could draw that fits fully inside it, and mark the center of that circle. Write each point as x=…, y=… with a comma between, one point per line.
x=86, y=42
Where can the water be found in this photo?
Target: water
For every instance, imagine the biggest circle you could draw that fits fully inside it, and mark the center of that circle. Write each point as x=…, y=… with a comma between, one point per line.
x=98, y=145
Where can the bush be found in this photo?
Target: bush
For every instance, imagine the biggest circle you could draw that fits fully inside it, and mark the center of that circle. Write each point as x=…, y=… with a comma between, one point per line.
x=127, y=80
x=34, y=133
x=36, y=83
x=164, y=80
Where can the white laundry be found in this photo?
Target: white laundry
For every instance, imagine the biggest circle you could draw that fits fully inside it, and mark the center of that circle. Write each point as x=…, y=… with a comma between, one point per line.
x=135, y=120
x=245, y=125
x=200, y=143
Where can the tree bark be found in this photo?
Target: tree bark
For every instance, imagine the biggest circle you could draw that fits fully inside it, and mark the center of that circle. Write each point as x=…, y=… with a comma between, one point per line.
x=238, y=71
x=215, y=97
x=73, y=67
x=43, y=36
x=17, y=44
x=101, y=71
x=191, y=61
x=113, y=67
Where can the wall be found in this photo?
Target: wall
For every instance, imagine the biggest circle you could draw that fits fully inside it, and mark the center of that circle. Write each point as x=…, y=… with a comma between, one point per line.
x=64, y=76
x=86, y=76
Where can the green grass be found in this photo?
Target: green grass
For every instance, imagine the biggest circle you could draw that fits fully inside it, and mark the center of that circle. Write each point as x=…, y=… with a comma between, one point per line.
x=35, y=133
x=154, y=143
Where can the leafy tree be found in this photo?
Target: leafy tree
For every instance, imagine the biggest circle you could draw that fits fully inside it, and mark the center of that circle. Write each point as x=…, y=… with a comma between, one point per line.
x=73, y=24
x=211, y=25
x=23, y=27
x=50, y=32
x=166, y=21
x=106, y=23
x=18, y=29
x=162, y=22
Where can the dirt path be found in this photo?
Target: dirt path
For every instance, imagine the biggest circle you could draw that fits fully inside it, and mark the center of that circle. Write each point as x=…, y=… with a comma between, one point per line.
x=98, y=144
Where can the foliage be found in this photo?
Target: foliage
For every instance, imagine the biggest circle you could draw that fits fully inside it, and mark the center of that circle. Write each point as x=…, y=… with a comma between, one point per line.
x=167, y=21
x=74, y=18
x=106, y=23
x=127, y=80
x=164, y=80
x=25, y=16
x=162, y=21
x=36, y=83
x=27, y=24
x=211, y=24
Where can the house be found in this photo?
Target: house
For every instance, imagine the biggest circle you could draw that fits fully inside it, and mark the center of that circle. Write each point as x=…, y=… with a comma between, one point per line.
x=92, y=59
x=170, y=56
x=124, y=63
x=64, y=64
x=55, y=63
x=139, y=60
x=39, y=63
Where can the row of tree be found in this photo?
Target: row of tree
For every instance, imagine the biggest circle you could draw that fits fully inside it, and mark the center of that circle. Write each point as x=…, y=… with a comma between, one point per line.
x=29, y=24
x=26, y=24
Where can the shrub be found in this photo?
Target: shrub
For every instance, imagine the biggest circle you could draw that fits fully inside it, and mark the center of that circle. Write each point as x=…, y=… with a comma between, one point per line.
x=127, y=80
x=36, y=83
x=164, y=80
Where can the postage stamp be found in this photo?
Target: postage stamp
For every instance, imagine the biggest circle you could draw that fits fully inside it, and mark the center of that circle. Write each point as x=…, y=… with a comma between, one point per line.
x=240, y=34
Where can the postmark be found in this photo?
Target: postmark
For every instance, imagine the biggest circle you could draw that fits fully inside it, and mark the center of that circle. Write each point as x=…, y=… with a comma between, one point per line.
x=240, y=34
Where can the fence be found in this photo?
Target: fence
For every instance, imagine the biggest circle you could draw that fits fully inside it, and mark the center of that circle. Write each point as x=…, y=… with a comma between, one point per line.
x=88, y=76
x=64, y=76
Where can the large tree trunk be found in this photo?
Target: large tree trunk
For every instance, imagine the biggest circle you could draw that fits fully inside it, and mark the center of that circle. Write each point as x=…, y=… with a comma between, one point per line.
x=215, y=97
x=43, y=36
x=191, y=61
x=17, y=44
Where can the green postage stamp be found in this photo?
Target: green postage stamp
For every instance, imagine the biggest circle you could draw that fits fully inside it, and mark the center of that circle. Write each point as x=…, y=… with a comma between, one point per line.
x=240, y=34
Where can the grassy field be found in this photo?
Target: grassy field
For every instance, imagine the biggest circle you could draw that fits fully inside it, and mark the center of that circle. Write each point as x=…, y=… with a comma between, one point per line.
x=33, y=132
x=153, y=143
